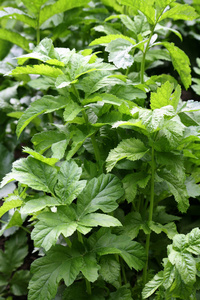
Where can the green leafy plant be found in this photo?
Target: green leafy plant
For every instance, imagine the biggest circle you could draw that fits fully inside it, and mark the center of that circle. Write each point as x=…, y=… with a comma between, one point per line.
x=114, y=155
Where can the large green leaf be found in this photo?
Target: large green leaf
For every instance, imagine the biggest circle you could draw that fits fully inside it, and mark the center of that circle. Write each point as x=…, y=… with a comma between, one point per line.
x=180, y=62
x=180, y=12
x=33, y=173
x=69, y=186
x=45, y=139
x=103, y=243
x=37, y=69
x=132, y=149
x=100, y=193
x=60, y=263
x=15, y=38
x=46, y=104
x=36, y=204
x=59, y=7
x=152, y=285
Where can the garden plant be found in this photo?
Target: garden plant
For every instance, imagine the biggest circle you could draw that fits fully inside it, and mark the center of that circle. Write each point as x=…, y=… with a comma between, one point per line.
x=100, y=152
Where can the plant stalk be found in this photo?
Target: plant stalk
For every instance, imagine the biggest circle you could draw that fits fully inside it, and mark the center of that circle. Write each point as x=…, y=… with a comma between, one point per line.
x=38, y=29
x=150, y=214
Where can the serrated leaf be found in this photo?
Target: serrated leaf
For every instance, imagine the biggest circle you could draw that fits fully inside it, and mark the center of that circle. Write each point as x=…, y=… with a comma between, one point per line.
x=71, y=111
x=60, y=263
x=193, y=239
x=37, y=69
x=17, y=14
x=69, y=186
x=177, y=188
x=37, y=204
x=180, y=62
x=185, y=265
x=119, y=53
x=45, y=139
x=193, y=189
x=152, y=285
x=51, y=225
x=59, y=7
x=103, y=243
x=131, y=149
x=33, y=173
x=15, y=38
x=169, y=229
x=9, y=205
x=100, y=193
x=164, y=96
x=46, y=104
x=180, y=12
x=110, y=270
x=168, y=274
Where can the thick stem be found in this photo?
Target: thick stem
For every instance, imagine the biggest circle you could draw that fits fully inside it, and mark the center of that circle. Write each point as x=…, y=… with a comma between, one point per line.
x=88, y=287
x=96, y=150
x=150, y=214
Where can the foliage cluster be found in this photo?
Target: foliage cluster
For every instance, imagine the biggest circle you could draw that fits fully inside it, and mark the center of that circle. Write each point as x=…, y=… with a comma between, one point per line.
x=103, y=172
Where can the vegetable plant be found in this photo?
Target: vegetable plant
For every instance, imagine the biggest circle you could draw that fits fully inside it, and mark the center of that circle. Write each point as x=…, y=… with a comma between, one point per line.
x=112, y=170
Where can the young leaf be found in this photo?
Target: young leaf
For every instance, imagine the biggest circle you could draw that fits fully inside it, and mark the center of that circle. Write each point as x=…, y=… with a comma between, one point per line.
x=100, y=193
x=40, y=157
x=14, y=37
x=180, y=62
x=69, y=186
x=111, y=37
x=46, y=104
x=152, y=285
x=9, y=205
x=131, y=149
x=164, y=96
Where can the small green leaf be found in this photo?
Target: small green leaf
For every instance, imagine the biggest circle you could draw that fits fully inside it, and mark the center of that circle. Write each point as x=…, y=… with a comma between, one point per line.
x=169, y=229
x=9, y=205
x=37, y=204
x=180, y=62
x=46, y=104
x=193, y=239
x=45, y=139
x=36, y=155
x=71, y=111
x=123, y=293
x=96, y=219
x=111, y=37
x=152, y=285
x=131, y=149
x=19, y=282
x=133, y=224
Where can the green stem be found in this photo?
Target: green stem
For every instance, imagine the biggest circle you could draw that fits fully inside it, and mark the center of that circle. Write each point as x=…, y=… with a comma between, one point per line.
x=150, y=214
x=96, y=149
x=88, y=287
x=120, y=278
x=25, y=229
x=38, y=29
x=123, y=272
x=24, y=191
x=80, y=238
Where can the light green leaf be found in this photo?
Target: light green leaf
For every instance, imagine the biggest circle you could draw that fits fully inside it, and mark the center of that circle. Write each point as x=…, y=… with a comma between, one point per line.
x=100, y=193
x=37, y=204
x=168, y=274
x=60, y=263
x=71, y=111
x=193, y=189
x=169, y=229
x=46, y=232
x=103, y=243
x=119, y=53
x=37, y=69
x=34, y=5
x=180, y=12
x=15, y=38
x=185, y=265
x=9, y=205
x=110, y=270
x=96, y=219
x=131, y=149
x=17, y=14
x=14, y=220
x=177, y=188
x=46, y=104
x=111, y=37
x=152, y=285
x=164, y=96
x=36, y=155
x=58, y=7
x=58, y=149
x=34, y=173
x=180, y=62
x=69, y=186
x=193, y=239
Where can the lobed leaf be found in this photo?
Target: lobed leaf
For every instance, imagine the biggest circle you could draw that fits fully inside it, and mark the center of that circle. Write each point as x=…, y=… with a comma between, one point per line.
x=180, y=12
x=37, y=69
